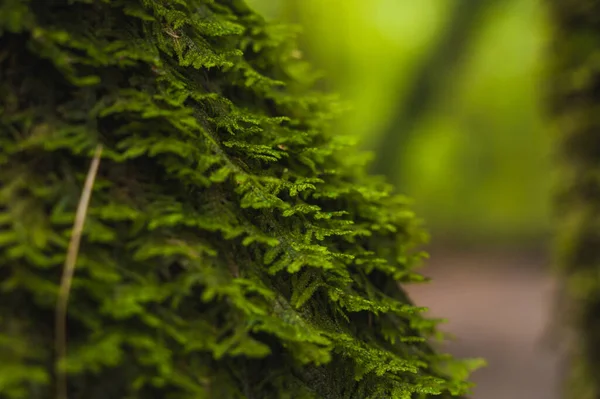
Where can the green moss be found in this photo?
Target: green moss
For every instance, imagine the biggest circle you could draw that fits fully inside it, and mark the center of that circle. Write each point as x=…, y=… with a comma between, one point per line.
x=576, y=101
x=232, y=248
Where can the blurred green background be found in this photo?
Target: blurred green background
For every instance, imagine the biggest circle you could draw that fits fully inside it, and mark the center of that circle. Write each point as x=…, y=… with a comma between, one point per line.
x=447, y=94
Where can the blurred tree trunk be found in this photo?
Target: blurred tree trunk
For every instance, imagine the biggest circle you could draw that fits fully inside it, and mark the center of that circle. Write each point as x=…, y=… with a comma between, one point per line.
x=575, y=100
x=437, y=67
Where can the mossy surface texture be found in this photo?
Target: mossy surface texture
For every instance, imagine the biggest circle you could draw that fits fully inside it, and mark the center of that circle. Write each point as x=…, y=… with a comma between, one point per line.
x=576, y=101
x=232, y=248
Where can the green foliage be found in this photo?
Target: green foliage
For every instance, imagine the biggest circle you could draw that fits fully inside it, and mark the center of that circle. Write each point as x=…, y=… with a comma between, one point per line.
x=576, y=100
x=232, y=248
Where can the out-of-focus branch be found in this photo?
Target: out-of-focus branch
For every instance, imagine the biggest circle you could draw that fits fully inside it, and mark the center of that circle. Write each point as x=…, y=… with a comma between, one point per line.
x=436, y=69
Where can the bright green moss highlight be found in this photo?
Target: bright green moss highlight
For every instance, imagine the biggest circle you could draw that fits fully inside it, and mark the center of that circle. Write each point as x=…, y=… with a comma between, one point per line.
x=232, y=249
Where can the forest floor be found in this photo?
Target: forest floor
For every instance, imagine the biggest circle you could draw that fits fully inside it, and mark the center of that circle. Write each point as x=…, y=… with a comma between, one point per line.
x=498, y=305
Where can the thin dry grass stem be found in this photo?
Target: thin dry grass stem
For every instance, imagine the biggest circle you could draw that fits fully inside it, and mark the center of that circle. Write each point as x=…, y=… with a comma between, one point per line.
x=67, y=277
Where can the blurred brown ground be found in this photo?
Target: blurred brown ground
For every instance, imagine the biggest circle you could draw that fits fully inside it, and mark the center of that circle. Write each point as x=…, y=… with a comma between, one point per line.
x=498, y=304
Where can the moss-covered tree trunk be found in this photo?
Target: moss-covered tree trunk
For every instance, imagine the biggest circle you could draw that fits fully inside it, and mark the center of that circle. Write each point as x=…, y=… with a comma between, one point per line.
x=231, y=249
x=575, y=87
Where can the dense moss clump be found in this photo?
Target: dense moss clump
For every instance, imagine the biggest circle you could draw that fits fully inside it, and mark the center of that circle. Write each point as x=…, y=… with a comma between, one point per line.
x=576, y=102
x=232, y=248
